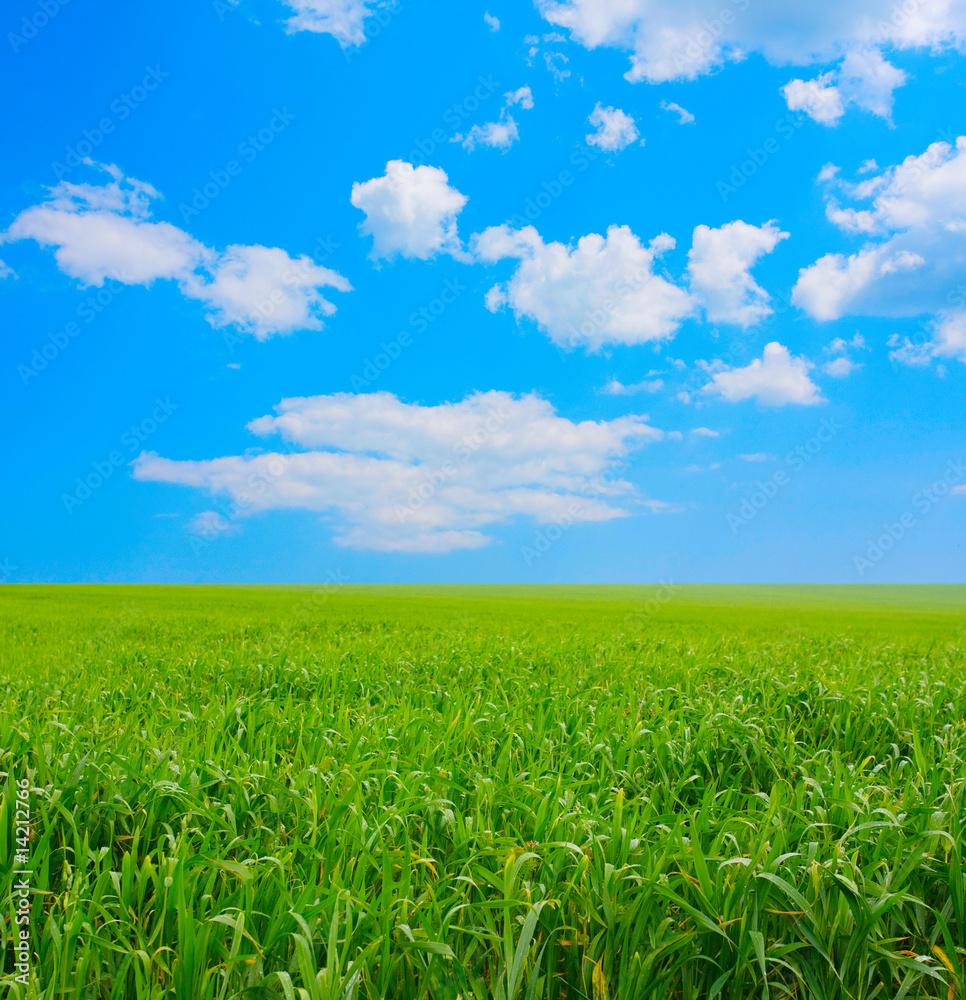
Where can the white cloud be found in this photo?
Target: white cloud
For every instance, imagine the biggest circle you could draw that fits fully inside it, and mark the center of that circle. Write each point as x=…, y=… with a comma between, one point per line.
x=705, y=432
x=757, y=456
x=840, y=346
x=775, y=379
x=905, y=352
x=820, y=99
x=615, y=129
x=864, y=78
x=556, y=63
x=684, y=116
x=493, y=23
x=688, y=39
x=398, y=477
x=6, y=271
x=410, y=211
x=719, y=266
x=105, y=232
x=617, y=388
x=262, y=290
x=500, y=135
x=343, y=19
x=522, y=96
x=603, y=291
x=914, y=221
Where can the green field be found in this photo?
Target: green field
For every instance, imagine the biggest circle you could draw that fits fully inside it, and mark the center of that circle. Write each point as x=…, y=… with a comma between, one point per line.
x=558, y=792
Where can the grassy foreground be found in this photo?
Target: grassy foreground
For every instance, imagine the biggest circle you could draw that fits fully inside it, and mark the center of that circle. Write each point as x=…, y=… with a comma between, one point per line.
x=439, y=792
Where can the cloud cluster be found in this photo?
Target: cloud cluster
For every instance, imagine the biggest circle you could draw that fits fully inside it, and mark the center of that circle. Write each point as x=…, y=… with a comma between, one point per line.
x=399, y=477
x=105, y=231
x=411, y=211
x=602, y=291
x=685, y=40
x=501, y=134
x=606, y=290
x=864, y=78
x=913, y=219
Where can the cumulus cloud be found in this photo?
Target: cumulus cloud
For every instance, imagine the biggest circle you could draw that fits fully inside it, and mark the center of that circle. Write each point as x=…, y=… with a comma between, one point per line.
x=615, y=129
x=864, y=79
x=684, y=116
x=685, y=40
x=410, y=211
x=820, y=99
x=493, y=23
x=605, y=290
x=345, y=20
x=775, y=379
x=6, y=271
x=398, y=477
x=913, y=219
x=719, y=266
x=602, y=291
x=105, y=231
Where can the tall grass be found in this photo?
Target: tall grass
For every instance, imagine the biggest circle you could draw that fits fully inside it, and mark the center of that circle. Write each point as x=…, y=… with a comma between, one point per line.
x=246, y=793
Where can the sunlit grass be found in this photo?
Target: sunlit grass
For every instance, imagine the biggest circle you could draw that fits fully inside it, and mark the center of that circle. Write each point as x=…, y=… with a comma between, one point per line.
x=562, y=793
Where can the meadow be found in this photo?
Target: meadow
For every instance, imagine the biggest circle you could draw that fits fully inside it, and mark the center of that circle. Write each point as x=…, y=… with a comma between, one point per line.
x=511, y=793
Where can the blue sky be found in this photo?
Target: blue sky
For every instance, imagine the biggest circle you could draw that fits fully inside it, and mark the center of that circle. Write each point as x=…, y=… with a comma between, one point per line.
x=335, y=290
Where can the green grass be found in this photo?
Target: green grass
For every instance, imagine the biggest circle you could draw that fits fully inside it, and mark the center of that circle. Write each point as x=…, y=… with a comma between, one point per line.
x=565, y=792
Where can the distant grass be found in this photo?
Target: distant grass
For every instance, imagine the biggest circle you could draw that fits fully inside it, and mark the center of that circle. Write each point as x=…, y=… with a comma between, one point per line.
x=557, y=792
